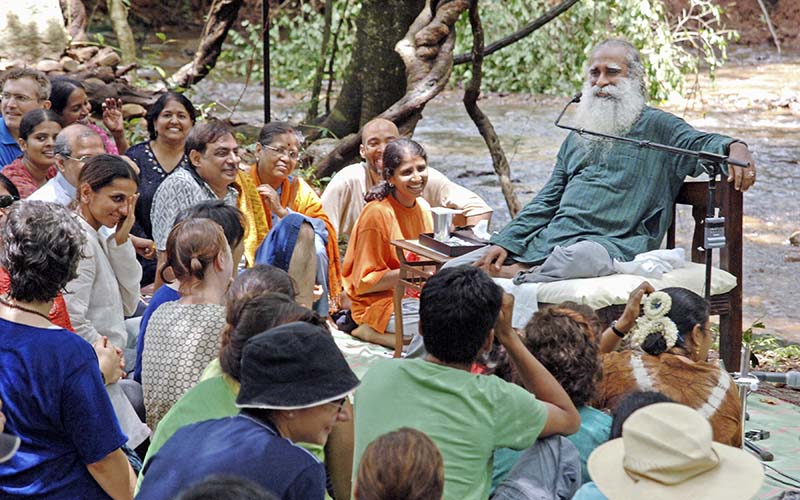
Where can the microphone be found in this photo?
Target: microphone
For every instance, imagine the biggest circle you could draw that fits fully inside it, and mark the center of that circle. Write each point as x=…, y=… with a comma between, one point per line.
x=791, y=379
x=576, y=98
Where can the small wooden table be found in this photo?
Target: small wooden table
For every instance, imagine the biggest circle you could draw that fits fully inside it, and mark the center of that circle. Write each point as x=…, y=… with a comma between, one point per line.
x=412, y=275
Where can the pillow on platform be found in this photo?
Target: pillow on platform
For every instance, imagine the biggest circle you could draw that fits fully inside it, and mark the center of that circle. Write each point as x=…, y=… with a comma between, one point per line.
x=615, y=289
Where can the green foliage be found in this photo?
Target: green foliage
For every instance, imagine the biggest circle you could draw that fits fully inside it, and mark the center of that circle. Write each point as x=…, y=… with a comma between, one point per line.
x=550, y=60
x=295, y=40
x=771, y=351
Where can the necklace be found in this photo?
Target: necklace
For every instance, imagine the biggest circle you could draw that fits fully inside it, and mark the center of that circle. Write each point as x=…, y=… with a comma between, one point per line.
x=4, y=300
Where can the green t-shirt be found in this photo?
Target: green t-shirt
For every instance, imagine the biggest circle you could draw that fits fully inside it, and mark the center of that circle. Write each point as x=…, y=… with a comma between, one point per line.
x=465, y=414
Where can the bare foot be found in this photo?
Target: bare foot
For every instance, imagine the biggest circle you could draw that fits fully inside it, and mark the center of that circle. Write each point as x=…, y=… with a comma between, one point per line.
x=369, y=334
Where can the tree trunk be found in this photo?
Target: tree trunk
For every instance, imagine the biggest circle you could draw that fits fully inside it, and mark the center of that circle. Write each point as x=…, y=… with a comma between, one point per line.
x=482, y=121
x=427, y=54
x=313, y=106
x=75, y=19
x=119, y=20
x=376, y=75
x=221, y=16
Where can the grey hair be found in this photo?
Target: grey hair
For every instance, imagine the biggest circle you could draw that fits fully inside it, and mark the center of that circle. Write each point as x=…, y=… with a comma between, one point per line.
x=41, y=249
x=63, y=146
x=633, y=59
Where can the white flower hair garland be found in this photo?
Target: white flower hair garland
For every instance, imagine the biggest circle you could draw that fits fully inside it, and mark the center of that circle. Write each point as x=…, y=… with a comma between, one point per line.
x=655, y=307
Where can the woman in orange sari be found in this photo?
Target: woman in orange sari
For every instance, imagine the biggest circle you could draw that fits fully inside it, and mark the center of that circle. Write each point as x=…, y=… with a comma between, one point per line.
x=281, y=210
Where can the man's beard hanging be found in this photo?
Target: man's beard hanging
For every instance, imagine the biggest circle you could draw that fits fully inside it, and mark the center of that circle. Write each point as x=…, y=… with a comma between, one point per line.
x=615, y=113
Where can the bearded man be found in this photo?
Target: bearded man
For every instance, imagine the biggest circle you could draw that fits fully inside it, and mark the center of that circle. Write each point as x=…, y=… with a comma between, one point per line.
x=606, y=199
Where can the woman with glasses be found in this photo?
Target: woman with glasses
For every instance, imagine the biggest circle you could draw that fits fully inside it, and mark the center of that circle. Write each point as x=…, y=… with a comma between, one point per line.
x=673, y=331
x=169, y=121
x=37, y=138
x=282, y=209
x=294, y=385
x=210, y=175
x=68, y=98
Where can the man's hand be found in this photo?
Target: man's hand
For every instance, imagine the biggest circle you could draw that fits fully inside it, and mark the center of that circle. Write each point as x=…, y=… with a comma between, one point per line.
x=503, y=331
x=144, y=247
x=741, y=177
x=492, y=261
x=273, y=200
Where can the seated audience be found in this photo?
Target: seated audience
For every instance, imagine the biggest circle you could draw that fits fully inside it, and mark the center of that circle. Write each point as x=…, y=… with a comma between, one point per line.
x=564, y=342
x=52, y=390
x=230, y=219
x=74, y=146
x=37, y=137
x=343, y=198
x=68, y=98
x=674, y=333
x=213, y=166
x=282, y=209
x=184, y=335
x=401, y=464
x=169, y=121
x=23, y=90
x=468, y=416
x=227, y=487
x=282, y=402
x=666, y=452
x=371, y=268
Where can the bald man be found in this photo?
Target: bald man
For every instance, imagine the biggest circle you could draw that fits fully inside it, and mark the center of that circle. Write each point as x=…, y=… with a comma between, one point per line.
x=343, y=199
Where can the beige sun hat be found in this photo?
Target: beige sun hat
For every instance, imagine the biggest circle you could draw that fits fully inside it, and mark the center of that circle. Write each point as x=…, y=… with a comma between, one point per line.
x=666, y=452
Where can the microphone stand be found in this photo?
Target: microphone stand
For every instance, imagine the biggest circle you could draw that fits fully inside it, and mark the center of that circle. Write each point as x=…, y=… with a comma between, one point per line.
x=714, y=230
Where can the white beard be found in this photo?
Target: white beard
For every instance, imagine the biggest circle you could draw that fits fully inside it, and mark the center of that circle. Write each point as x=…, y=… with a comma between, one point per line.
x=612, y=114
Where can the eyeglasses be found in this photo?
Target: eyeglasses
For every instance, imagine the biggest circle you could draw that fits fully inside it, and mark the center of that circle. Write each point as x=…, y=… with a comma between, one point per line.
x=6, y=200
x=20, y=98
x=339, y=404
x=82, y=159
x=292, y=155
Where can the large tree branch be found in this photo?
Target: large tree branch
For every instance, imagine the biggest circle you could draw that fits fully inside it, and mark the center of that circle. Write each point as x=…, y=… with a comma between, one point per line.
x=427, y=53
x=221, y=16
x=522, y=33
x=482, y=121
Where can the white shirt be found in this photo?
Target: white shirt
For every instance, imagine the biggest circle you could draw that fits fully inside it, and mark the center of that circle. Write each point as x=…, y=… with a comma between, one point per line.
x=56, y=190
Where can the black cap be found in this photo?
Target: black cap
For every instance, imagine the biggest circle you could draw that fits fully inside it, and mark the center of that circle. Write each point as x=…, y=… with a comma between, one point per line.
x=293, y=366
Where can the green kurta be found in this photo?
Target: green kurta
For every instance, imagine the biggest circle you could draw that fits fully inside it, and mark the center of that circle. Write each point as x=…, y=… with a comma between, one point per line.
x=619, y=196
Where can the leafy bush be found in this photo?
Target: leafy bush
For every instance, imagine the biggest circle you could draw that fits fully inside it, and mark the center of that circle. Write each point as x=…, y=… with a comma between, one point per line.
x=551, y=59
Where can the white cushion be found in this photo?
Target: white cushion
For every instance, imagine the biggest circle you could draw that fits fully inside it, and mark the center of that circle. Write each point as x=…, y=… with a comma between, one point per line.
x=615, y=289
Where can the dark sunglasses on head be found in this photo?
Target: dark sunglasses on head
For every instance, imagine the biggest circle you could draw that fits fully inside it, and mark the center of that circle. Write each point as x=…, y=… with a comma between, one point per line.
x=6, y=200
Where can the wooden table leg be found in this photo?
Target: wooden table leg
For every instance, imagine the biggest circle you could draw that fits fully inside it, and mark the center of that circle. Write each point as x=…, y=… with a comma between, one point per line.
x=399, y=292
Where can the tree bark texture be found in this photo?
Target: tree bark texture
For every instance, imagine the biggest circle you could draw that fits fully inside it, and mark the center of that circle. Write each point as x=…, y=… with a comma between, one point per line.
x=118, y=13
x=75, y=19
x=375, y=77
x=427, y=54
x=221, y=16
x=522, y=33
x=482, y=121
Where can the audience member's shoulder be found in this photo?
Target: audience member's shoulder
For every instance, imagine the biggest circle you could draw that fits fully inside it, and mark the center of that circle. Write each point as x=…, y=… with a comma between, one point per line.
x=136, y=149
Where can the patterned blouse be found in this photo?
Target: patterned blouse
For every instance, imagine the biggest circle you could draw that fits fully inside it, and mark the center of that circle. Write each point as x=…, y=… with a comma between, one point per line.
x=181, y=340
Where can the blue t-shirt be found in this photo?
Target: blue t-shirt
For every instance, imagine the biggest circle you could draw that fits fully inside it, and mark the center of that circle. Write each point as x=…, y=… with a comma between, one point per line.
x=55, y=401
x=9, y=149
x=162, y=295
x=240, y=446
x=594, y=431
